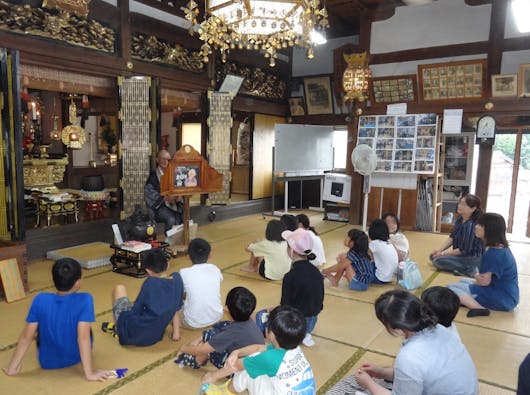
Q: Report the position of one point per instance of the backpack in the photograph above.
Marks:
(411, 277)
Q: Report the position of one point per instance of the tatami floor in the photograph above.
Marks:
(347, 332)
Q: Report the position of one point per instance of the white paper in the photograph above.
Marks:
(396, 109)
(117, 234)
(452, 122)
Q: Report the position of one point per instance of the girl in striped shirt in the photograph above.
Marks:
(355, 265)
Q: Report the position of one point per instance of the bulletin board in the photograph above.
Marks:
(402, 143)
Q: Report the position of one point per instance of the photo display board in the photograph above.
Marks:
(402, 143)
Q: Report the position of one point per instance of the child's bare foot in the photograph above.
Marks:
(332, 279)
(248, 269)
(208, 378)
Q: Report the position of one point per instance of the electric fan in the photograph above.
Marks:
(364, 162)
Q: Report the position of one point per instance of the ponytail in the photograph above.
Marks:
(399, 309)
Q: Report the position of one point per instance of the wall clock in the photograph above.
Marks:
(486, 127)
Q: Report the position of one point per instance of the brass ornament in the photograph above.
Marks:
(356, 76)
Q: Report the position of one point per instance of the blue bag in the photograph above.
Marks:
(412, 278)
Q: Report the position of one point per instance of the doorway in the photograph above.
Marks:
(509, 187)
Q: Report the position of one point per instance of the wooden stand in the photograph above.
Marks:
(187, 174)
(129, 262)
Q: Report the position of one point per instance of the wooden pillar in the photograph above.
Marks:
(483, 173)
(125, 30)
(356, 193)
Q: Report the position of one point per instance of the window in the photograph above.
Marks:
(340, 147)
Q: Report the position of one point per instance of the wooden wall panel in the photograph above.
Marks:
(263, 141)
(390, 204)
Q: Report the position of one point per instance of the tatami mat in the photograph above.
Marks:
(347, 332)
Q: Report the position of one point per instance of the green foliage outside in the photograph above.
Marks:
(506, 144)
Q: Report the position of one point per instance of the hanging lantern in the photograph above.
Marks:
(355, 79)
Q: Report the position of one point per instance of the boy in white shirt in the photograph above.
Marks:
(202, 288)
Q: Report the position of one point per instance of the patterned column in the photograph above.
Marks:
(219, 146)
(135, 116)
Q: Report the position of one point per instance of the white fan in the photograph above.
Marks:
(364, 162)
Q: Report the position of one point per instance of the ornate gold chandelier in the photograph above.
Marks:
(260, 25)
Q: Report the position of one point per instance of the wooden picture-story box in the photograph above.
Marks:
(17, 250)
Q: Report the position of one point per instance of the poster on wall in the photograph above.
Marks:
(402, 143)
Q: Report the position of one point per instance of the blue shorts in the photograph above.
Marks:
(356, 285)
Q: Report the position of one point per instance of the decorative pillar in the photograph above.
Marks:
(134, 147)
(219, 147)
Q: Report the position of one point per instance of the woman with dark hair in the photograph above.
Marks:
(432, 359)
(318, 247)
(496, 286)
(269, 257)
(462, 251)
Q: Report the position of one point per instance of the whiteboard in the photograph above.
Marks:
(303, 148)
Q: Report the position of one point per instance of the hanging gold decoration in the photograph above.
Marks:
(356, 77)
(259, 25)
(73, 136)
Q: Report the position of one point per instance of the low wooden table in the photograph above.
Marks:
(50, 208)
(129, 262)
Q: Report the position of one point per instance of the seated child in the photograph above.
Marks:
(279, 368)
(383, 252)
(269, 257)
(397, 238)
(303, 286)
(61, 322)
(202, 288)
(355, 265)
(158, 303)
(226, 336)
(318, 247)
(496, 285)
(444, 303)
(289, 221)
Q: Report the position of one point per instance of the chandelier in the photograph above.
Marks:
(356, 77)
(260, 25)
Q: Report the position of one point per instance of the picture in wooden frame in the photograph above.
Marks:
(524, 80)
(401, 88)
(454, 81)
(296, 106)
(503, 85)
(318, 96)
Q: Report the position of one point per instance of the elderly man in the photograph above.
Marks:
(167, 209)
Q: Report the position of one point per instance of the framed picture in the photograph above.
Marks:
(187, 175)
(524, 80)
(503, 85)
(318, 96)
(454, 81)
(296, 106)
(394, 89)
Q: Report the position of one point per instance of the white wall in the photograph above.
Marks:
(80, 157)
(322, 63)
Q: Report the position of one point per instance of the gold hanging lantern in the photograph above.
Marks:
(355, 79)
(73, 136)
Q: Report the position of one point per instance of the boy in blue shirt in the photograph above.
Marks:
(158, 303)
(278, 368)
(61, 323)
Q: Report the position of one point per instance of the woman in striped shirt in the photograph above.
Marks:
(462, 251)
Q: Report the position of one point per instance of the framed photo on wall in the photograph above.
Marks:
(296, 106)
(454, 81)
(524, 80)
(503, 85)
(394, 89)
(318, 96)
